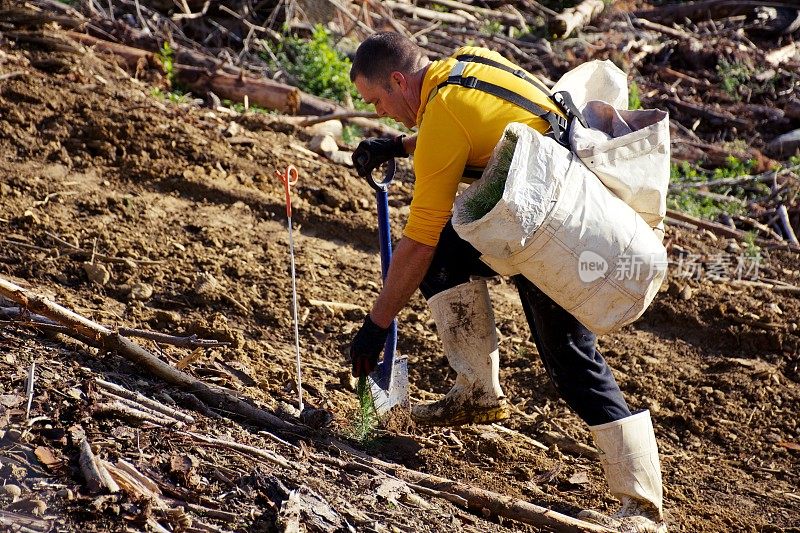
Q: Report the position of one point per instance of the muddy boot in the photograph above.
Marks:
(465, 323)
(629, 455)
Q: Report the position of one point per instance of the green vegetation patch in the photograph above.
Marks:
(491, 186)
(695, 203)
(317, 66)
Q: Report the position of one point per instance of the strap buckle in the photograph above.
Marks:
(469, 82)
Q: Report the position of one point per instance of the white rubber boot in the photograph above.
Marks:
(629, 455)
(465, 323)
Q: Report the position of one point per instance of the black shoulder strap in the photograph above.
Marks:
(558, 125)
(518, 72)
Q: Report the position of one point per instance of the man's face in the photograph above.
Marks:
(388, 98)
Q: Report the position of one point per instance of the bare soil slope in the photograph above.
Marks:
(87, 157)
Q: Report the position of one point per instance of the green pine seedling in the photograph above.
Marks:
(491, 185)
(365, 425)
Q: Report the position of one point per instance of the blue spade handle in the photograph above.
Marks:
(385, 240)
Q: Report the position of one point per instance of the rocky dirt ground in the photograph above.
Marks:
(90, 159)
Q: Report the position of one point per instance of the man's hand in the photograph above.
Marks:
(366, 346)
(371, 153)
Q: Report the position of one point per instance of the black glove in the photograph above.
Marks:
(367, 345)
(372, 153)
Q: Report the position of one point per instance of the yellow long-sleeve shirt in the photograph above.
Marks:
(459, 127)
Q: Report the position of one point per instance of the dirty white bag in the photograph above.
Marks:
(595, 80)
(629, 151)
(559, 226)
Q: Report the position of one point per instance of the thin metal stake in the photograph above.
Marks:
(30, 389)
(290, 178)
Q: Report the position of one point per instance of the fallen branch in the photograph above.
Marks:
(335, 305)
(427, 14)
(576, 18)
(786, 226)
(533, 442)
(213, 396)
(694, 152)
(122, 409)
(666, 30)
(12, 75)
(764, 177)
(219, 514)
(12, 521)
(569, 445)
(340, 115)
(475, 498)
(124, 393)
(191, 341)
(774, 287)
(723, 230)
(97, 477)
(508, 19)
(714, 117)
(772, 234)
(243, 448)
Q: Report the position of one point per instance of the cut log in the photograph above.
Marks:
(134, 58)
(262, 92)
(576, 17)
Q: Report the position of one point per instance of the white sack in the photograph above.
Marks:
(629, 151)
(595, 80)
(560, 227)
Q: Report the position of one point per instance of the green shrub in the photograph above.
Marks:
(317, 66)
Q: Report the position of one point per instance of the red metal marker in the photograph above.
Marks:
(289, 178)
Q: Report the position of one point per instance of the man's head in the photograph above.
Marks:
(387, 71)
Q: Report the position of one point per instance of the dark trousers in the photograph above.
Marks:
(568, 350)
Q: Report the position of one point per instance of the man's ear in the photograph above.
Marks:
(398, 80)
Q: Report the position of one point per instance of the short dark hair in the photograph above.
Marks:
(383, 53)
